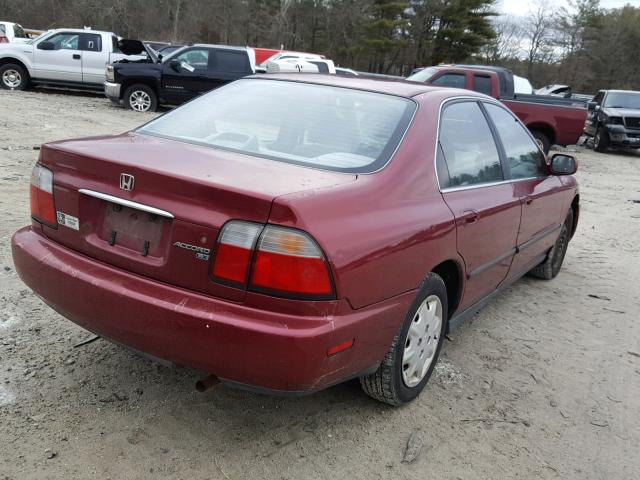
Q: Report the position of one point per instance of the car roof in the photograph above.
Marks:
(621, 91)
(211, 45)
(79, 30)
(399, 88)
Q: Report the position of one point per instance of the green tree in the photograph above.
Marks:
(385, 33)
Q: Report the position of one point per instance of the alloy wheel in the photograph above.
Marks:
(11, 78)
(140, 101)
(422, 341)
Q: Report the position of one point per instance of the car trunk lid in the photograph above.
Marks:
(154, 206)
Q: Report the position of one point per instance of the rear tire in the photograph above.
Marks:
(13, 77)
(415, 349)
(551, 266)
(601, 140)
(141, 98)
(542, 140)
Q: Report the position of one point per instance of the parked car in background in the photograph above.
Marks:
(14, 32)
(299, 65)
(614, 119)
(168, 50)
(285, 55)
(563, 91)
(178, 77)
(522, 85)
(64, 57)
(156, 46)
(551, 120)
(244, 233)
(264, 54)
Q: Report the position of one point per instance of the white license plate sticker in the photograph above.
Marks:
(68, 221)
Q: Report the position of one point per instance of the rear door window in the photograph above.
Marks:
(524, 158)
(482, 84)
(91, 42)
(232, 61)
(468, 148)
(455, 80)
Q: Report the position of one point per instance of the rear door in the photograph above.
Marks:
(228, 65)
(63, 63)
(542, 196)
(474, 186)
(94, 58)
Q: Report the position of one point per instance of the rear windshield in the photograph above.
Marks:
(320, 126)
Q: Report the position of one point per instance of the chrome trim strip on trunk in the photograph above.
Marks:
(126, 203)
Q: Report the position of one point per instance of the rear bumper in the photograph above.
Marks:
(277, 351)
(112, 91)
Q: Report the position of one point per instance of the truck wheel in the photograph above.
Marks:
(413, 354)
(551, 266)
(601, 140)
(542, 140)
(13, 77)
(141, 98)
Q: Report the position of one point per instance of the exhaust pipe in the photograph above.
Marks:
(207, 383)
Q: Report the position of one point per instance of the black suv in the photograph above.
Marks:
(614, 119)
(177, 77)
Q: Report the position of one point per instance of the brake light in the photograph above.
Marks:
(290, 261)
(270, 259)
(43, 207)
(235, 247)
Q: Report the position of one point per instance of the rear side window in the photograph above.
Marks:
(91, 42)
(322, 67)
(232, 61)
(455, 80)
(523, 155)
(482, 84)
(468, 147)
(320, 126)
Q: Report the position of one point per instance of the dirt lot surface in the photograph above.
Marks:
(544, 383)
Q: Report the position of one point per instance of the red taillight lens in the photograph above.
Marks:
(286, 262)
(235, 247)
(43, 207)
(289, 261)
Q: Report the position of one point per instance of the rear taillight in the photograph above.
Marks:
(233, 254)
(274, 260)
(43, 208)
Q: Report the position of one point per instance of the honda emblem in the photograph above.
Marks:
(126, 181)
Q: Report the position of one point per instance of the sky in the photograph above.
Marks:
(519, 7)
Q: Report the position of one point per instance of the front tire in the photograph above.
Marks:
(141, 98)
(415, 349)
(601, 140)
(551, 266)
(13, 77)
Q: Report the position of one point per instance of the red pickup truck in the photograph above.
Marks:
(551, 120)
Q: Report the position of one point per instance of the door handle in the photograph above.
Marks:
(76, 56)
(470, 216)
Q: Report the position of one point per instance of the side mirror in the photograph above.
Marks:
(175, 64)
(562, 164)
(591, 106)
(46, 46)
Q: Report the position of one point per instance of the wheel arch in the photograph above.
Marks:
(15, 61)
(575, 207)
(545, 129)
(452, 275)
(129, 82)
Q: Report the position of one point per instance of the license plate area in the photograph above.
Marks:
(133, 229)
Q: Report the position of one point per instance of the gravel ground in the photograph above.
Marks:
(543, 383)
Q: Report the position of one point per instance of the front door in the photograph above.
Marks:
(486, 208)
(63, 63)
(541, 195)
(186, 75)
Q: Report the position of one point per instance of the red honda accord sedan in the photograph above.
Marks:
(286, 233)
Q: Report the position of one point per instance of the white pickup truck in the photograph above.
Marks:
(13, 32)
(69, 57)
